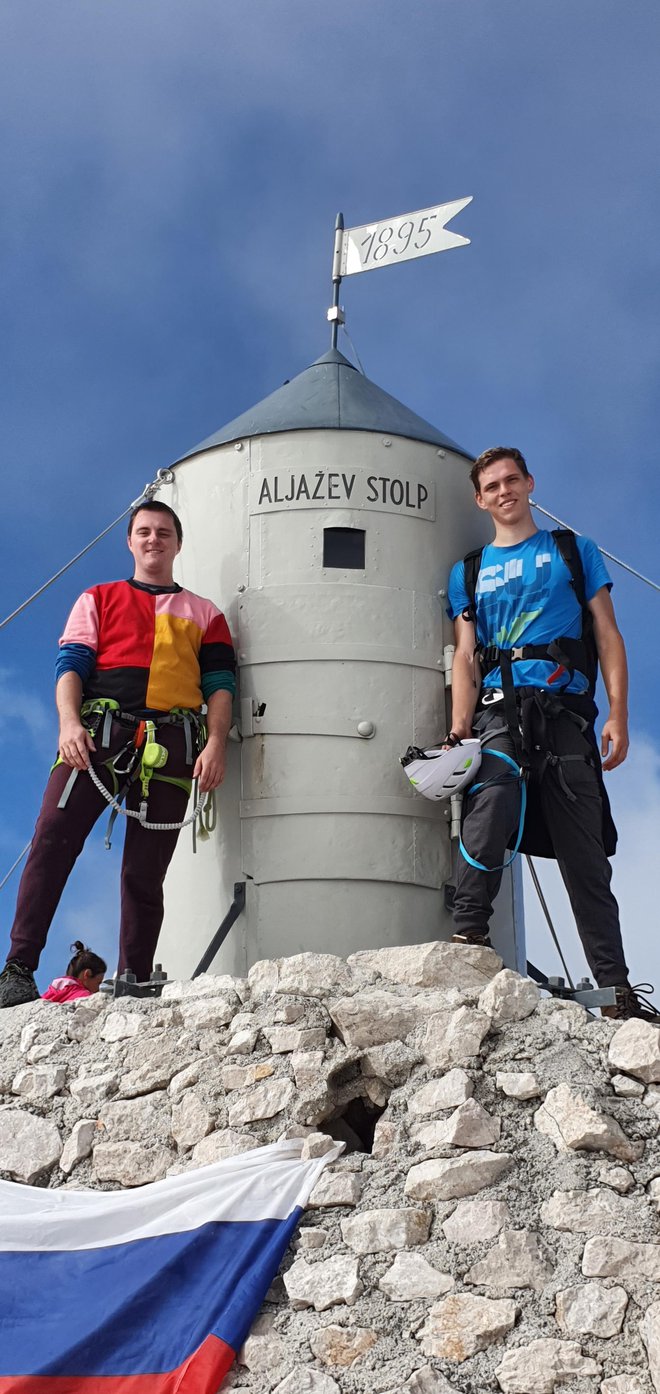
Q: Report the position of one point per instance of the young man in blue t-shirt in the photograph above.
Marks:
(525, 702)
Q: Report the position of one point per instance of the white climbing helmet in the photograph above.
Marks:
(437, 774)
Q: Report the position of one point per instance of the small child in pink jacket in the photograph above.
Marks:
(84, 976)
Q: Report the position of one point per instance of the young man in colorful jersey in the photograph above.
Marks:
(524, 598)
(144, 649)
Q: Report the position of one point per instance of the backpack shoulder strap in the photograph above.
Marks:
(568, 549)
(471, 567)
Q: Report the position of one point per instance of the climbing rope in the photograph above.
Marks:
(140, 814)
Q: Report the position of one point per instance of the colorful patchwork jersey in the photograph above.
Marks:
(150, 648)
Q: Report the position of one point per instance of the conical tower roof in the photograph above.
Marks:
(329, 395)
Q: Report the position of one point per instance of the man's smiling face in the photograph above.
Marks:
(154, 544)
(504, 492)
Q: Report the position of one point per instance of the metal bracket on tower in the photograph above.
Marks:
(584, 992)
(235, 909)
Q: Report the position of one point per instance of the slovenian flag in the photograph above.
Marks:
(148, 1291)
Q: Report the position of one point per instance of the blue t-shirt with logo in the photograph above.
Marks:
(524, 596)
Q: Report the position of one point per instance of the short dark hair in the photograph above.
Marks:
(154, 506)
(491, 457)
(84, 958)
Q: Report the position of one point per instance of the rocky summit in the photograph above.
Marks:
(492, 1223)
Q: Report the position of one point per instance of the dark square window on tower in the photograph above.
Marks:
(344, 548)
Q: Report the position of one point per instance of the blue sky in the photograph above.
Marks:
(171, 175)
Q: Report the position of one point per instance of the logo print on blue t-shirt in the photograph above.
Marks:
(493, 579)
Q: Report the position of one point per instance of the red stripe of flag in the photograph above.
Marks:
(201, 1373)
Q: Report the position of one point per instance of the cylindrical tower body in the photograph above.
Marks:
(328, 547)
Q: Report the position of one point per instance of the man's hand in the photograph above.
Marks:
(75, 743)
(614, 742)
(210, 765)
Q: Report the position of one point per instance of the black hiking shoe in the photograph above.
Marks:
(473, 938)
(17, 985)
(630, 1003)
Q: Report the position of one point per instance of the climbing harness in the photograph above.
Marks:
(141, 758)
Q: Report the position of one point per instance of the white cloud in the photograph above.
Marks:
(634, 791)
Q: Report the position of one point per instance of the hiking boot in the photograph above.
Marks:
(474, 938)
(17, 985)
(629, 1004)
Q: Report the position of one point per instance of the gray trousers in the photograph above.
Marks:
(575, 826)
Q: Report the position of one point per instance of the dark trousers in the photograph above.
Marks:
(575, 826)
(58, 840)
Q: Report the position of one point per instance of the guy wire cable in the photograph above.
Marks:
(163, 476)
(610, 555)
(546, 912)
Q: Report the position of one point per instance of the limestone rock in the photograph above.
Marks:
(388, 1137)
(454, 1038)
(508, 997)
(242, 1076)
(121, 1026)
(539, 1366)
(317, 1145)
(242, 1042)
(327, 1283)
(627, 1088)
(620, 1258)
(618, 1178)
(92, 1090)
(207, 1014)
(588, 1309)
(39, 1053)
(263, 1101)
(79, 1145)
(224, 1143)
(82, 1014)
(587, 1212)
(469, 1126)
(428, 1381)
(623, 1384)
(306, 974)
(40, 1081)
(151, 1065)
(305, 1380)
(191, 1120)
(335, 1188)
(206, 985)
(307, 1066)
(571, 1123)
(341, 1345)
(411, 1277)
(285, 1039)
(460, 1325)
(474, 1221)
(310, 1237)
(372, 1018)
(517, 1086)
(130, 1163)
(29, 1146)
(264, 1350)
(184, 1080)
(649, 1328)
(635, 1049)
(519, 1260)
(391, 1062)
(450, 1091)
(450, 1180)
(431, 965)
(142, 1120)
(373, 1231)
